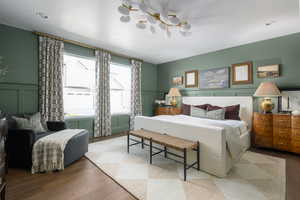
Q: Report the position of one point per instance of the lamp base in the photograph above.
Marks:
(173, 102)
(267, 105)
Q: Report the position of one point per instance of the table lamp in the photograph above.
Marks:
(174, 92)
(267, 90)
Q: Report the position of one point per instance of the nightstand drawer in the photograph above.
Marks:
(283, 121)
(281, 144)
(263, 131)
(167, 111)
(263, 141)
(282, 132)
(295, 146)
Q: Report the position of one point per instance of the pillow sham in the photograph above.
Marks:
(218, 114)
(231, 112)
(186, 109)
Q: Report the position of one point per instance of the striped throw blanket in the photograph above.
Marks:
(48, 152)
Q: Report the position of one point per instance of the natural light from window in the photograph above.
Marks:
(120, 81)
(79, 85)
(79, 80)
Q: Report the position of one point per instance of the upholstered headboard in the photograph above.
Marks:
(246, 104)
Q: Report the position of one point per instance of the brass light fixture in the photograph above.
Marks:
(267, 90)
(166, 19)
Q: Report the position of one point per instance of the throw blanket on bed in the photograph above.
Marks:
(48, 152)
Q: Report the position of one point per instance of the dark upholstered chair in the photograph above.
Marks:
(20, 143)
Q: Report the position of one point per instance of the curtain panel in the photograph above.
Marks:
(136, 96)
(50, 79)
(102, 124)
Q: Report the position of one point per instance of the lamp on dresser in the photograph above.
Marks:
(173, 93)
(267, 90)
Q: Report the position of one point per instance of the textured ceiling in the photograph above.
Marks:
(217, 24)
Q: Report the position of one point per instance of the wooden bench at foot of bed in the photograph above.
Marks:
(168, 142)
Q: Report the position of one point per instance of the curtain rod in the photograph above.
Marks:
(82, 44)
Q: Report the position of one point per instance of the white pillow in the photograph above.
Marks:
(214, 114)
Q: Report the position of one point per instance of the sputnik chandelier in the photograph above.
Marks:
(167, 20)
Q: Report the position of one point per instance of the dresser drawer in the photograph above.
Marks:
(295, 146)
(282, 133)
(263, 131)
(295, 134)
(296, 122)
(283, 121)
(263, 141)
(281, 144)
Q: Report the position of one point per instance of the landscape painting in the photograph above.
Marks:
(214, 78)
(270, 71)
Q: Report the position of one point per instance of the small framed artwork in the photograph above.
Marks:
(191, 79)
(242, 73)
(177, 80)
(268, 71)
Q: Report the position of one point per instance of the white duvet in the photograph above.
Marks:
(233, 129)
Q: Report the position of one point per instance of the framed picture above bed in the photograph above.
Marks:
(191, 79)
(214, 78)
(242, 73)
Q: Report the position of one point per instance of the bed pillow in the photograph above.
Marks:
(186, 109)
(231, 112)
(218, 114)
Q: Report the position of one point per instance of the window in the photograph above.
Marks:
(120, 81)
(79, 85)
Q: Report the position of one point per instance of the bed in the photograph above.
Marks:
(222, 142)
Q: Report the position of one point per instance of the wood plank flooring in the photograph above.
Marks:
(84, 181)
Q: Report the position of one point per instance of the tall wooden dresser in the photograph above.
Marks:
(278, 131)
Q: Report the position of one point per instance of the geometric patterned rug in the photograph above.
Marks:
(254, 177)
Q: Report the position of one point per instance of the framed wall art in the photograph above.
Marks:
(242, 73)
(191, 79)
(269, 71)
(214, 78)
(177, 80)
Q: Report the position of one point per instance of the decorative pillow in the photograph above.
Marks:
(186, 109)
(33, 123)
(231, 112)
(214, 114)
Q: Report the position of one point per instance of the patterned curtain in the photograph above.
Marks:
(102, 125)
(136, 96)
(50, 79)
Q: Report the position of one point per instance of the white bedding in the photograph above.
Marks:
(222, 142)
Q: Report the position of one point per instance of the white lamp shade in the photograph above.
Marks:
(152, 29)
(174, 92)
(174, 20)
(267, 89)
(151, 19)
(123, 10)
(141, 25)
(162, 26)
(186, 27)
(125, 18)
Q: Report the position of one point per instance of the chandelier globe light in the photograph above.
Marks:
(167, 20)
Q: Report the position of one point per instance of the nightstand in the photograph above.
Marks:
(167, 110)
(277, 131)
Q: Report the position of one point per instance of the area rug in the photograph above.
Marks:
(256, 176)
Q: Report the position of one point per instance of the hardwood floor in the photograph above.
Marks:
(84, 181)
(80, 181)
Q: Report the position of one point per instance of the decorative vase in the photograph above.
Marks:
(267, 105)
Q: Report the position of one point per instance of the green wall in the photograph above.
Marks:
(284, 51)
(19, 88)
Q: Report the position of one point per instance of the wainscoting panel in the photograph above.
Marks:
(18, 98)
